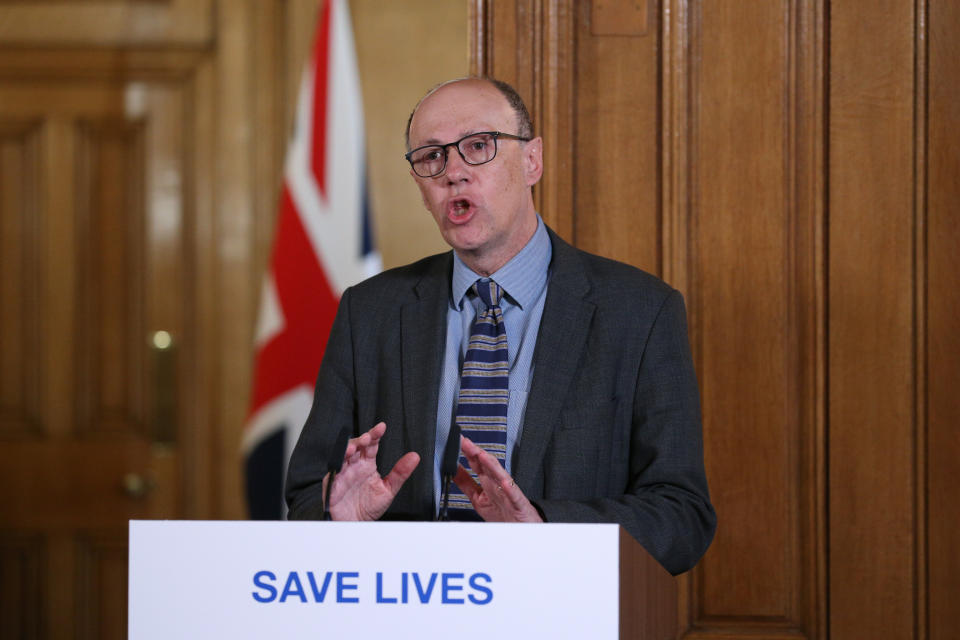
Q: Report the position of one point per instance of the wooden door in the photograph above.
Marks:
(129, 254)
(94, 265)
(792, 167)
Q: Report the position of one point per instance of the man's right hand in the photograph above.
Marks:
(358, 492)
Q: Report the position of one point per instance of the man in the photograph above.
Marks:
(598, 418)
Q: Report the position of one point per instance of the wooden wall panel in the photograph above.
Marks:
(101, 582)
(568, 94)
(712, 114)
(807, 181)
(111, 216)
(616, 136)
(21, 584)
(874, 583)
(19, 304)
(510, 21)
(942, 296)
(112, 23)
(753, 291)
(742, 309)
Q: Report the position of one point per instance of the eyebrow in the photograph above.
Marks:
(435, 141)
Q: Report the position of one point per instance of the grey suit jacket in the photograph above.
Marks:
(611, 431)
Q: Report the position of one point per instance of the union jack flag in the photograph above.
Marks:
(323, 244)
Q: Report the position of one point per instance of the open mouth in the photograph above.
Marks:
(459, 207)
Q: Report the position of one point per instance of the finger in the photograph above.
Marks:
(467, 484)
(473, 453)
(401, 471)
(500, 488)
(367, 444)
(485, 463)
(371, 450)
(351, 449)
(492, 488)
(514, 494)
(491, 475)
(363, 441)
(377, 431)
(469, 447)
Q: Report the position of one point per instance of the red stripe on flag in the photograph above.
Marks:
(292, 357)
(321, 73)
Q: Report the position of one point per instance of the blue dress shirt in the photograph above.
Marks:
(524, 281)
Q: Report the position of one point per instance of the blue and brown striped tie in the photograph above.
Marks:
(484, 389)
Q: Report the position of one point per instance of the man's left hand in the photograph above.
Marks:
(494, 494)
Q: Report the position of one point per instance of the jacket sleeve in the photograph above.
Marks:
(333, 410)
(665, 503)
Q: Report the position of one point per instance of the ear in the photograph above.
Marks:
(533, 160)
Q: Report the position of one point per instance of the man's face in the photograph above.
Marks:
(485, 212)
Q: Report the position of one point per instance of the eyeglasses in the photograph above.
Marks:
(477, 148)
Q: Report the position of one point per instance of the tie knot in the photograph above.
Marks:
(489, 291)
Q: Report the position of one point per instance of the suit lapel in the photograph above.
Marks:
(560, 342)
(423, 329)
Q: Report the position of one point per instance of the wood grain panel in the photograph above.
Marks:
(943, 318)
(74, 64)
(21, 578)
(101, 584)
(46, 22)
(555, 118)
(76, 484)
(610, 18)
(872, 372)
(19, 253)
(714, 122)
(616, 183)
(808, 188)
(110, 234)
(512, 64)
(677, 135)
(755, 314)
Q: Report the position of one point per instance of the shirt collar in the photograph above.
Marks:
(522, 277)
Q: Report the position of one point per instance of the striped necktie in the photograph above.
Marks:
(484, 389)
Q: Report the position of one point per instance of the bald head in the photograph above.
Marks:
(524, 123)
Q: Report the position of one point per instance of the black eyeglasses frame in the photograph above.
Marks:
(456, 144)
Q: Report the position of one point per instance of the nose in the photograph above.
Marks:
(457, 170)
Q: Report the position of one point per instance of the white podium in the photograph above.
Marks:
(193, 579)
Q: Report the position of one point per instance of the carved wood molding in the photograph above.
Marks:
(69, 63)
(115, 23)
(923, 528)
(676, 133)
